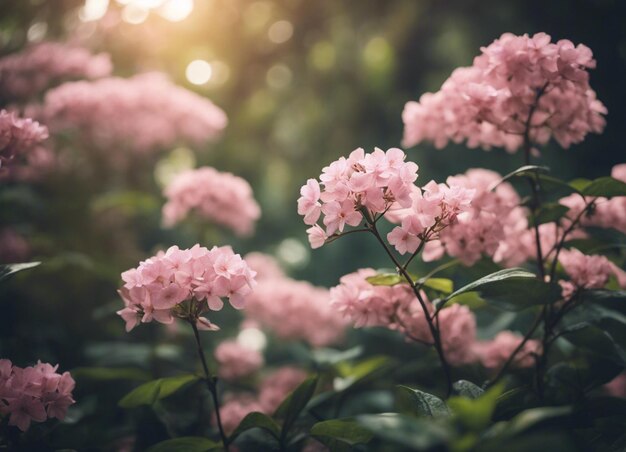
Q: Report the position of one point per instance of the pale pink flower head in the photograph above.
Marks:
(34, 393)
(234, 409)
(18, 137)
(161, 287)
(348, 187)
(495, 353)
(517, 82)
(237, 361)
(221, 198)
(265, 266)
(457, 326)
(586, 271)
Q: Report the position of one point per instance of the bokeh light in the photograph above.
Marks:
(176, 10)
(134, 14)
(93, 10)
(199, 72)
(280, 31)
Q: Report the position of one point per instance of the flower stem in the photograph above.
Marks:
(211, 383)
(433, 329)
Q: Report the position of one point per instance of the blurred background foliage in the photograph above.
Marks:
(302, 82)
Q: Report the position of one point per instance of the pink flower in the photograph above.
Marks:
(276, 386)
(34, 393)
(17, 137)
(337, 215)
(236, 361)
(517, 80)
(158, 286)
(222, 198)
(308, 203)
(495, 353)
(234, 409)
(586, 271)
(457, 326)
(317, 236)
(402, 240)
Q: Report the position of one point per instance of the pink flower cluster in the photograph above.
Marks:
(395, 307)
(362, 182)
(219, 197)
(495, 353)
(237, 361)
(494, 216)
(33, 393)
(140, 115)
(432, 210)
(185, 284)
(585, 271)
(293, 310)
(517, 83)
(274, 388)
(26, 74)
(18, 136)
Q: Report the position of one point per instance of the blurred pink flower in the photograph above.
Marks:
(222, 198)
(236, 361)
(495, 353)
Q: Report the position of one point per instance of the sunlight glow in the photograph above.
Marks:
(93, 10)
(176, 10)
(199, 72)
(252, 338)
(134, 14)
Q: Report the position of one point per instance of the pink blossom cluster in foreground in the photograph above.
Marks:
(33, 393)
(18, 136)
(370, 184)
(185, 284)
(292, 310)
(221, 198)
(236, 360)
(517, 83)
(28, 73)
(397, 308)
(135, 116)
(274, 388)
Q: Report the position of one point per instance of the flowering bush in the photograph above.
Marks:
(496, 321)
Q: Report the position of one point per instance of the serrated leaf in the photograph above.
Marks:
(425, 404)
(606, 187)
(467, 389)
(512, 289)
(185, 444)
(292, 406)
(150, 392)
(7, 270)
(257, 420)
(348, 432)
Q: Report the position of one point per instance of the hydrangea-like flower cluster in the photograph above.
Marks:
(28, 73)
(362, 182)
(395, 307)
(293, 310)
(136, 116)
(517, 84)
(586, 271)
(222, 198)
(34, 393)
(273, 390)
(493, 216)
(236, 361)
(185, 284)
(432, 210)
(495, 353)
(18, 136)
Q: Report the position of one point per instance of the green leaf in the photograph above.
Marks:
(580, 184)
(109, 373)
(386, 279)
(150, 392)
(406, 431)
(329, 356)
(475, 414)
(606, 187)
(595, 340)
(532, 417)
(423, 403)
(7, 270)
(525, 170)
(185, 444)
(442, 285)
(550, 213)
(467, 389)
(350, 374)
(347, 432)
(291, 407)
(257, 420)
(512, 289)
(470, 299)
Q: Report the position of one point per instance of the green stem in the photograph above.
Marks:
(433, 330)
(211, 383)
